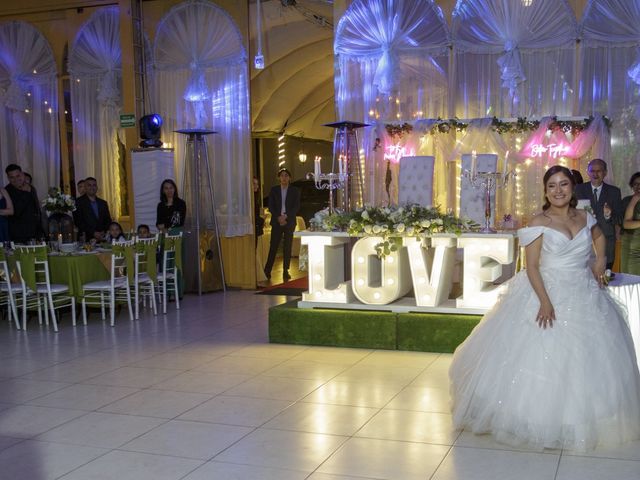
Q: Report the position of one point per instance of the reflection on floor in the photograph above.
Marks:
(200, 394)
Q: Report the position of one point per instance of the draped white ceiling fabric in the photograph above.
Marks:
(28, 104)
(514, 58)
(96, 79)
(610, 81)
(502, 58)
(201, 81)
(392, 63)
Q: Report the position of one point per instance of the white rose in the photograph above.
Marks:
(425, 223)
(400, 227)
(410, 230)
(377, 229)
(367, 229)
(438, 221)
(365, 215)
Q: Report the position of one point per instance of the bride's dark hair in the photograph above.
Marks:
(567, 173)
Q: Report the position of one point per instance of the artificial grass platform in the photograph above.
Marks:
(423, 332)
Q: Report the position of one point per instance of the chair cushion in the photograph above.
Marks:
(105, 284)
(55, 288)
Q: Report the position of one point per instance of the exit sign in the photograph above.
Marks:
(127, 120)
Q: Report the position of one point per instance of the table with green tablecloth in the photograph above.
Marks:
(74, 270)
(78, 269)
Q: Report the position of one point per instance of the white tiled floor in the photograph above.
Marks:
(200, 394)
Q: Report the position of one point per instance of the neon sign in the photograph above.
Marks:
(394, 153)
(554, 150)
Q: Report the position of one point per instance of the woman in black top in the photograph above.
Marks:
(171, 209)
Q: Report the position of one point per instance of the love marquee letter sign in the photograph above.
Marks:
(417, 277)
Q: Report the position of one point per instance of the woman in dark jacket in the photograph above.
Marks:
(172, 209)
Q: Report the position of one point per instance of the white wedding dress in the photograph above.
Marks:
(573, 386)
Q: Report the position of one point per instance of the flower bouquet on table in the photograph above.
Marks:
(391, 223)
(58, 202)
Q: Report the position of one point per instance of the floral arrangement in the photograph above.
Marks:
(520, 125)
(398, 130)
(390, 223)
(58, 202)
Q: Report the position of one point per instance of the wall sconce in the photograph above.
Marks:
(302, 157)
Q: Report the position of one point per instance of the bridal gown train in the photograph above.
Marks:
(573, 386)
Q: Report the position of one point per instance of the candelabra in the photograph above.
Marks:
(490, 181)
(329, 181)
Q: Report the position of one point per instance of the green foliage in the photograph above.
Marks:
(391, 223)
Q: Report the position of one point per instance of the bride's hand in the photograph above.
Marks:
(546, 315)
(599, 275)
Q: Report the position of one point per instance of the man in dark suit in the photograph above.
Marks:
(606, 203)
(283, 220)
(92, 215)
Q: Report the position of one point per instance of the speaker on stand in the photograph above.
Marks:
(203, 267)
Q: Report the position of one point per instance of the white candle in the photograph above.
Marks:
(340, 165)
(316, 167)
(474, 163)
(505, 166)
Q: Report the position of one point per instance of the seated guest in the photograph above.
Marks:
(114, 233)
(172, 209)
(92, 215)
(28, 179)
(80, 189)
(25, 224)
(143, 231)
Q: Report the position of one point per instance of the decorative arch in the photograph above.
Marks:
(392, 61)
(95, 66)
(392, 49)
(28, 104)
(533, 45)
(200, 81)
(610, 77)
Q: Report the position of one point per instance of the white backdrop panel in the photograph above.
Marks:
(149, 168)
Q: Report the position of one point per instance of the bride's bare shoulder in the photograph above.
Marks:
(539, 220)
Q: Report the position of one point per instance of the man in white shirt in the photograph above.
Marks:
(284, 203)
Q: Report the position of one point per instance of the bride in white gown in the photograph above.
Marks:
(552, 365)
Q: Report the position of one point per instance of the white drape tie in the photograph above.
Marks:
(511, 68)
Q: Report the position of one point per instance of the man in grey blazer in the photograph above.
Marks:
(606, 203)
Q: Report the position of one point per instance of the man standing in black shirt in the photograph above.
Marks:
(284, 203)
(25, 224)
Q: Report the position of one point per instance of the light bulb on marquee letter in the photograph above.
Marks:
(431, 268)
(326, 270)
(377, 290)
(484, 258)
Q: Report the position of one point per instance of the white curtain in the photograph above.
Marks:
(513, 58)
(392, 63)
(96, 79)
(28, 104)
(200, 81)
(610, 79)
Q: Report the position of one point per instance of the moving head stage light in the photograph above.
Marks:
(150, 127)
